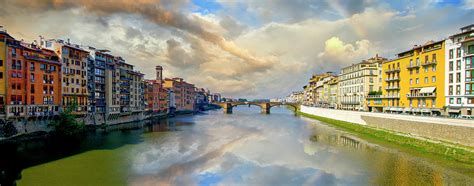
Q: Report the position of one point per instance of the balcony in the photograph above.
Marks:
(392, 79)
(422, 95)
(426, 63)
(392, 70)
(392, 88)
(391, 96)
(374, 97)
(412, 66)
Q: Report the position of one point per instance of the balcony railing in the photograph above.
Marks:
(422, 95)
(429, 63)
(413, 66)
(392, 88)
(393, 79)
(392, 70)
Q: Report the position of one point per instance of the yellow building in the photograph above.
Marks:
(5, 39)
(414, 81)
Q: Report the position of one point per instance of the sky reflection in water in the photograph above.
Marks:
(276, 149)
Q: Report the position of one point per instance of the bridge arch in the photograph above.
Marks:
(265, 106)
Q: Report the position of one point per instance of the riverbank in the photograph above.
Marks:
(42, 134)
(446, 150)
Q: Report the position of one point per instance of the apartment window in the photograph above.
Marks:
(450, 78)
(13, 51)
(433, 102)
(426, 68)
(458, 77)
(43, 66)
(32, 100)
(433, 68)
(1, 63)
(451, 66)
(451, 53)
(417, 71)
(451, 100)
(458, 52)
(433, 79)
(411, 72)
(426, 79)
(417, 61)
(469, 62)
(434, 58)
(1, 75)
(450, 90)
(411, 81)
(458, 65)
(411, 62)
(32, 89)
(458, 89)
(417, 81)
(426, 59)
(458, 101)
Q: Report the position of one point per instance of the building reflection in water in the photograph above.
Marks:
(390, 168)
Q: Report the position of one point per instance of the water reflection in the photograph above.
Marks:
(245, 147)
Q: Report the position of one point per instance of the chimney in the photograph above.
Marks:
(68, 41)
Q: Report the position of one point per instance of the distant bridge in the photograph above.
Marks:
(265, 106)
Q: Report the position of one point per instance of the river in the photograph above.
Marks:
(214, 148)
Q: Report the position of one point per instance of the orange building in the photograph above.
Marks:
(42, 80)
(156, 96)
(33, 76)
(184, 94)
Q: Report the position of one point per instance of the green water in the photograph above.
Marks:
(245, 147)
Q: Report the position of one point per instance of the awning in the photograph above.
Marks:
(453, 111)
(425, 90)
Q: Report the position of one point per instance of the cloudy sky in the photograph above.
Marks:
(254, 48)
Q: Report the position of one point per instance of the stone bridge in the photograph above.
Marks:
(265, 106)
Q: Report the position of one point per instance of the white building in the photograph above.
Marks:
(357, 80)
(459, 76)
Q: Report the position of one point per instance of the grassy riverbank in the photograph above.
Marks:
(427, 147)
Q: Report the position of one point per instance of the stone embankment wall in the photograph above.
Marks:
(444, 129)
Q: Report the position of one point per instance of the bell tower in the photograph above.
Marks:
(159, 73)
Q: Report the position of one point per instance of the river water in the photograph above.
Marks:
(243, 148)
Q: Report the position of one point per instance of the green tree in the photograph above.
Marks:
(66, 124)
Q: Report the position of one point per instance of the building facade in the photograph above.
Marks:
(413, 82)
(357, 81)
(132, 92)
(184, 92)
(74, 73)
(156, 96)
(459, 76)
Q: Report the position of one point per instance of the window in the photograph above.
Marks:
(458, 52)
(426, 68)
(458, 77)
(411, 81)
(417, 71)
(450, 78)
(433, 68)
(433, 79)
(458, 101)
(451, 100)
(451, 66)
(32, 89)
(458, 89)
(458, 65)
(450, 90)
(1, 63)
(417, 80)
(426, 59)
(426, 79)
(1, 75)
(43, 66)
(434, 58)
(451, 53)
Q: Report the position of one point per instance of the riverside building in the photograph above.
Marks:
(459, 75)
(156, 96)
(74, 62)
(184, 93)
(357, 81)
(413, 83)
